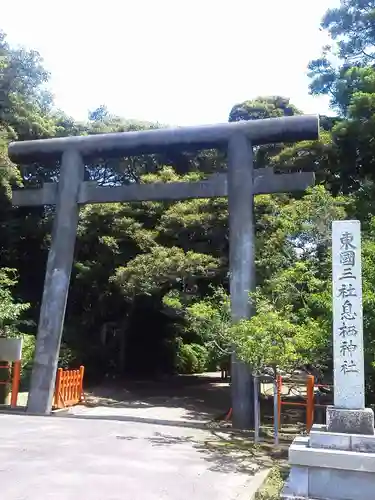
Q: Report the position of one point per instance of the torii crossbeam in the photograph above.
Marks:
(240, 184)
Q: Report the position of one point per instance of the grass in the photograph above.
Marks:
(251, 457)
(274, 483)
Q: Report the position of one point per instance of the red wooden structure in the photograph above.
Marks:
(68, 388)
(309, 403)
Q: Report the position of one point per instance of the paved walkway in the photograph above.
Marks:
(192, 401)
(93, 459)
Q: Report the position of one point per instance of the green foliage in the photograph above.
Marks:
(261, 108)
(10, 311)
(351, 25)
(209, 320)
(351, 28)
(12, 321)
(191, 358)
(28, 351)
(271, 339)
(163, 268)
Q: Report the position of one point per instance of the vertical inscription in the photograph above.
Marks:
(347, 315)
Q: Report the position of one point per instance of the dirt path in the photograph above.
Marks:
(194, 399)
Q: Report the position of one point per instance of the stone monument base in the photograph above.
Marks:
(350, 421)
(331, 466)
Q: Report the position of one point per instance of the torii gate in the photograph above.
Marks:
(240, 184)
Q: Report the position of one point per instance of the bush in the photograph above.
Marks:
(201, 354)
(28, 350)
(67, 357)
(187, 361)
(191, 358)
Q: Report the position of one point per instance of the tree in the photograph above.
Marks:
(269, 340)
(99, 114)
(10, 321)
(209, 321)
(261, 108)
(22, 74)
(345, 72)
(351, 28)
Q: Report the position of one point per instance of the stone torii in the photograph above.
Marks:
(240, 184)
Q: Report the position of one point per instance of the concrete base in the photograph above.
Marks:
(331, 466)
(350, 421)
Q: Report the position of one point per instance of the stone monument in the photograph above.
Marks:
(337, 460)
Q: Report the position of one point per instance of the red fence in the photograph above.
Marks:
(68, 388)
(309, 403)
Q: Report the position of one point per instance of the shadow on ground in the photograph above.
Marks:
(204, 401)
(201, 398)
(229, 452)
(192, 398)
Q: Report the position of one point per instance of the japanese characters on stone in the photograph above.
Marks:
(347, 296)
(346, 291)
(347, 314)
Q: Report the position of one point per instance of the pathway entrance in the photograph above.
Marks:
(193, 400)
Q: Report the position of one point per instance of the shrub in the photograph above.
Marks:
(201, 354)
(28, 350)
(191, 358)
(187, 361)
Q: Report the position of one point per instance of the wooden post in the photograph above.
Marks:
(81, 374)
(256, 410)
(310, 402)
(279, 393)
(57, 396)
(276, 411)
(15, 383)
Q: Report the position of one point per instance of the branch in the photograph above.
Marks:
(367, 55)
(223, 351)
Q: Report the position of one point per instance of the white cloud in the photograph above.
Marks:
(171, 61)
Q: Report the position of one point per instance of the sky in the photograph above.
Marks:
(175, 62)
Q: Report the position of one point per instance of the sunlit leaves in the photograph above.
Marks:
(162, 268)
(10, 310)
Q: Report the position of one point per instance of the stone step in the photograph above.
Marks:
(301, 454)
(321, 438)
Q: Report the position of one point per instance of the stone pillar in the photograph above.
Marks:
(242, 267)
(348, 413)
(56, 285)
(337, 460)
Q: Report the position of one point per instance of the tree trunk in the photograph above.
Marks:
(123, 339)
(121, 352)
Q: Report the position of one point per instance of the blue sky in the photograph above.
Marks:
(171, 61)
